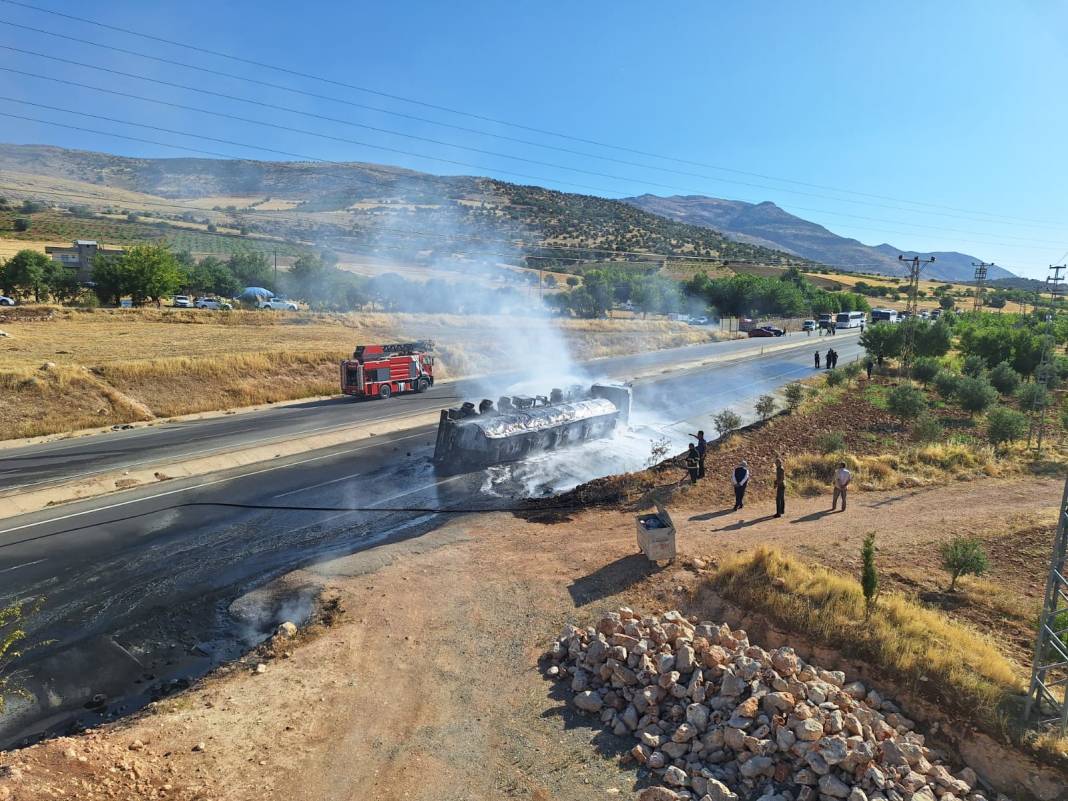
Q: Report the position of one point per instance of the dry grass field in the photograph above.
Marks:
(66, 369)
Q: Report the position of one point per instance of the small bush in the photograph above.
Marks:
(1004, 379)
(1032, 397)
(906, 402)
(946, 384)
(1005, 425)
(974, 366)
(963, 556)
(924, 369)
(869, 577)
(765, 406)
(853, 370)
(22, 223)
(794, 394)
(927, 429)
(830, 442)
(976, 394)
(835, 378)
(725, 422)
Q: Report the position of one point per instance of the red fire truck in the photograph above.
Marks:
(378, 371)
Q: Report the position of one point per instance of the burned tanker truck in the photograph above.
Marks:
(473, 437)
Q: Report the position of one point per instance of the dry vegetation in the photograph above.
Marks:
(121, 365)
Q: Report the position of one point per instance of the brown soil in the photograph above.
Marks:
(429, 687)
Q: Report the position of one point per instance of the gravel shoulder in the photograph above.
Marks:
(428, 687)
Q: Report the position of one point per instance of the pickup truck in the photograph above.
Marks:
(278, 304)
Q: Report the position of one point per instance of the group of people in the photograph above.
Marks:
(831, 359)
(741, 475)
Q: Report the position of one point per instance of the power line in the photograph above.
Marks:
(329, 98)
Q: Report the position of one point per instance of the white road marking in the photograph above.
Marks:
(24, 564)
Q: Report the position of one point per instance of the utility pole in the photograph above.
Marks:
(916, 265)
(1047, 697)
(1044, 374)
(980, 279)
(275, 270)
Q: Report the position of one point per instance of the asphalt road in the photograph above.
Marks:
(138, 583)
(64, 460)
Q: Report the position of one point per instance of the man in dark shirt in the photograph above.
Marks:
(702, 449)
(780, 487)
(692, 463)
(740, 479)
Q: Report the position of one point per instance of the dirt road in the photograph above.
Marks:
(428, 688)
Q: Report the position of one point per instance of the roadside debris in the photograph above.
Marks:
(719, 719)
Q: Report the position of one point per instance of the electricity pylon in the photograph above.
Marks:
(916, 264)
(980, 279)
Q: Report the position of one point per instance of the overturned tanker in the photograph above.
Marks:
(472, 437)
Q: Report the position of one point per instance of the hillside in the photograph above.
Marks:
(363, 208)
(767, 225)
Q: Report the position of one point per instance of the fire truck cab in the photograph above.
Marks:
(379, 371)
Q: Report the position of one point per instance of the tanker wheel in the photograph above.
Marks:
(385, 391)
(421, 385)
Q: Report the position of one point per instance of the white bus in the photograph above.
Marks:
(884, 316)
(853, 319)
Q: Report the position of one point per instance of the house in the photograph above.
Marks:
(80, 256)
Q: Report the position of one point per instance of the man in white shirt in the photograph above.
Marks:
(842, 477)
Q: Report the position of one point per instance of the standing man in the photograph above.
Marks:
(780, 487)
(693, 463)
(702, 449)
(869, 365)
(842, 477)
(817, 360)
(740, 479)
(830, 356)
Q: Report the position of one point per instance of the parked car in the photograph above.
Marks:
(808, 325)
(278, 304)
(6, 301)
(213, 303)
(698, 321)
(182, 302)
(766, 331)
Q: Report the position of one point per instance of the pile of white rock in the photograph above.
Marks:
(718, 719)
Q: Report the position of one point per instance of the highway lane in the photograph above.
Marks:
(70, 459)
(138, 583)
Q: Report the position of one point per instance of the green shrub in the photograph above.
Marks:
(963, 556)
(765, 406)
(946, 384)
(852, 370)
(725, 422)
(830, 442)
(1005, 425)
(794, 394)
(1004, 378)
(869, 577)
(974, 366)
(976, 394)
(1032, 397)
(906, 402)
(835, 378)
(925, 368)
(927, 429)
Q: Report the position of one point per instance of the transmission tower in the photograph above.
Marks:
(980, 279)
(1044, 374)
(1047, 698)
(916, 265)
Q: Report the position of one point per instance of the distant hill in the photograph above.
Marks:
(367, 208)
(767, 225)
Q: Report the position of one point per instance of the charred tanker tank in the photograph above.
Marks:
(472, 437)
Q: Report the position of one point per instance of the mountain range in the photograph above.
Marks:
(769, 226)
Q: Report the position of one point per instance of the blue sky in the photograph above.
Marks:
(956, 105)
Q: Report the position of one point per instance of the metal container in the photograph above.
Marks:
(656, 535)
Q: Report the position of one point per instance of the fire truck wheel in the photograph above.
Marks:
(421, 385)
(385, 391)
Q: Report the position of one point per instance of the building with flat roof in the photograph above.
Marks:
(80, 255)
